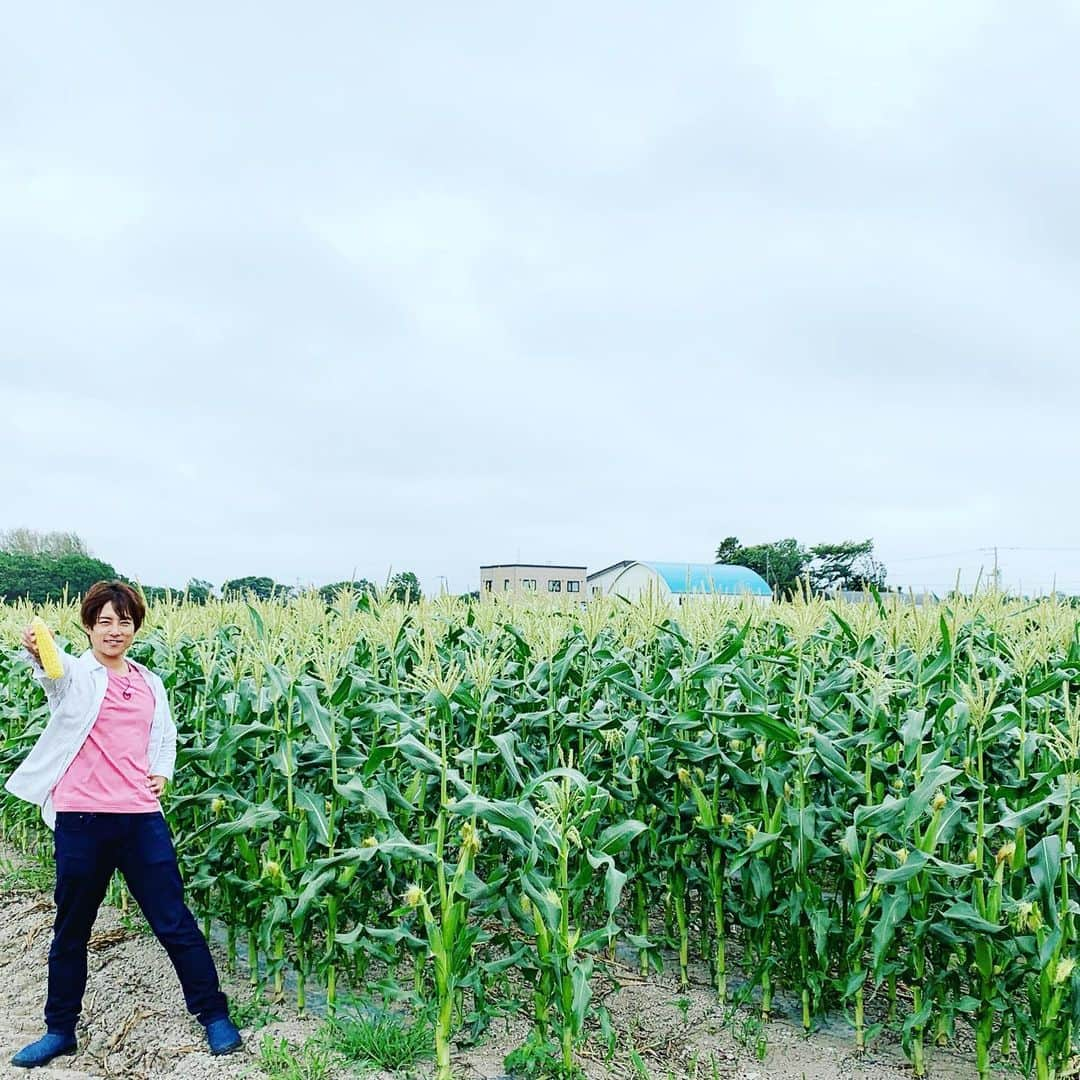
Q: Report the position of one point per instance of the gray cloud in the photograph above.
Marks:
(302, 293)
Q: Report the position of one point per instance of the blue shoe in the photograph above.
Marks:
(44, 1050)
(222, 1036)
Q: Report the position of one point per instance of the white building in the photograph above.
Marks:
(678, 581)
(519, 578)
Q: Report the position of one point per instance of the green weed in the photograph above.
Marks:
(26, 877)
(254, 1013)
(539, 1059)
(383, 1041)
(281, 1062)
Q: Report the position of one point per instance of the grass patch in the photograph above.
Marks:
(381, 1040)
(254, 1013)
(134, 923)
(281, 1062)
(26, 877)
(539, 1059)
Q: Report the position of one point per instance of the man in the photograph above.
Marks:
(97, 771)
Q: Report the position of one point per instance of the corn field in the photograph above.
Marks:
(459, 802)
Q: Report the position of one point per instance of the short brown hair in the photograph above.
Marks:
(126, 602)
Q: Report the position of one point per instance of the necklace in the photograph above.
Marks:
(125, 684)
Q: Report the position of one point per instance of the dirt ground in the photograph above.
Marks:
(134, 1023)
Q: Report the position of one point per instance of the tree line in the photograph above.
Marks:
(788, 566)
(47, 566)
(44, 566)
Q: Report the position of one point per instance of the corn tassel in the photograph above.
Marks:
(47, 650)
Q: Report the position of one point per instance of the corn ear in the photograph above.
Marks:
(46, 647)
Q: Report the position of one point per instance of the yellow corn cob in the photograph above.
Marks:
(46, 647)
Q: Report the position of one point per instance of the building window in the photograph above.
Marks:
(554, 585)
(487, 585)
(529, 583)
(506, 584)
(573, 586)
(596, 590)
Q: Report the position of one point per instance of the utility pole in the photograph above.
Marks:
(995, 576)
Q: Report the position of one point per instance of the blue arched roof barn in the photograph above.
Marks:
(631, 578)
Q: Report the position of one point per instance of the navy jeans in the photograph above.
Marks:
(89, 847)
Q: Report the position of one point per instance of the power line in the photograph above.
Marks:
(918, 583)
(943, 555)
(1034, 549)
(976, 550)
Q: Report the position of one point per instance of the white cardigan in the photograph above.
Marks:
(75, 701)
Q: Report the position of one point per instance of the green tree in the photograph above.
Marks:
(362, 587)
(199, 591)
(785, 564)
(404, 587)
(728, 552)
(847, 565)
(31, 542)
(153, 593)
(46, 577)
(264, 588)
(781, 563)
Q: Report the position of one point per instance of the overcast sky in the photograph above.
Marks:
(309, 290)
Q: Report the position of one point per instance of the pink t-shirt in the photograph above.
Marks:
(108, 774)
